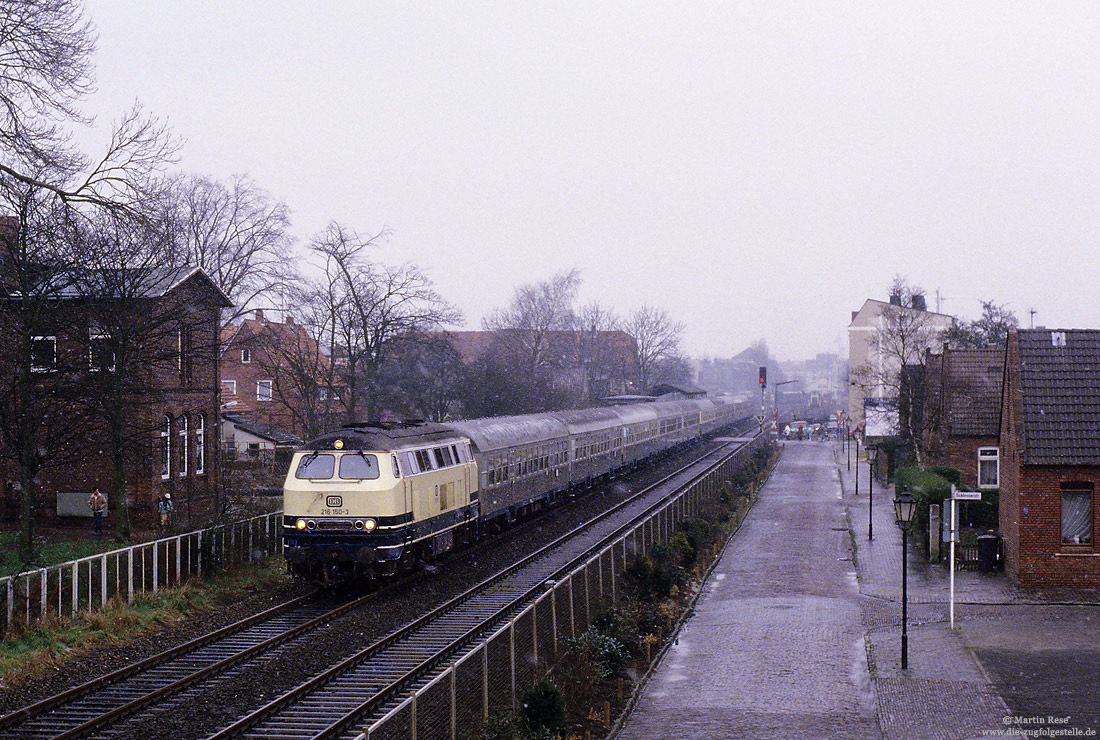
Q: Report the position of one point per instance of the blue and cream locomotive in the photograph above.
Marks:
(364, 499)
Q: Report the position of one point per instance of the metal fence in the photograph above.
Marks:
(88, 584)
(492, 676)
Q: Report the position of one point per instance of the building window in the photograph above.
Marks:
(230, 386)
(246, 355)
(43, 354)
(184, 354)
(263, 390)
(183, 445)
(166, 447)
(1077, 513)
(101, 350)
(200, 444)
(988, 467)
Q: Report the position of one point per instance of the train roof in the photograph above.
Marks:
(505, 431)
(382, 437)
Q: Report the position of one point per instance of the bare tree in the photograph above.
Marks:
(304, 382)
(368, 307)
(898, 345)
(605, 351)
(46, 68)
(424, 377)
(659, 357)
(40, 418)
(537, 324)
(237, 233)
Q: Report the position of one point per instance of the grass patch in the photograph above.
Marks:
(54, 642)
(48, 554)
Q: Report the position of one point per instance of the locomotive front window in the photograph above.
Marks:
(316, 467)
(357, 466)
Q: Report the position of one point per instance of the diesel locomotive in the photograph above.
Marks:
(364, 500)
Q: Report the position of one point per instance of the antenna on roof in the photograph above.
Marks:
(1031, 311)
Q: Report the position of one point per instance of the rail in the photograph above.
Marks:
(90, 583)
(491, 676)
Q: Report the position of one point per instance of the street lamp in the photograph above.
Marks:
(903, 512)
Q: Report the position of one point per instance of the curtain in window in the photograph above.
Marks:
(1077, 517)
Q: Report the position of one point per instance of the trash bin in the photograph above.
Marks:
(988, 546)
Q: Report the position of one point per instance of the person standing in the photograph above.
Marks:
(164, 511)
(97, 502)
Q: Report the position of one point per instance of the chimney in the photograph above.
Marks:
(258, 313)
(919, 302)
(895, 299)
(289, 320)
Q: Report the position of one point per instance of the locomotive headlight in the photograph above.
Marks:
(300, 524)
(369, 524)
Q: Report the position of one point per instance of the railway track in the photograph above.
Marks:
(97, 707)
(337, 702)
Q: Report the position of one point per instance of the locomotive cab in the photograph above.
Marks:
(358, 501)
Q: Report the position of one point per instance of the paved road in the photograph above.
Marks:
(776, 646)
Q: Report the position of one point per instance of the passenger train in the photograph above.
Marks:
(363, 500)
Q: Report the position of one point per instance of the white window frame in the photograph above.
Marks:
(246, 355)
(200, 444)
(265, 384)
(166, 447)
(230, 386)
(182, 431)
(995, 458)
(53, 362)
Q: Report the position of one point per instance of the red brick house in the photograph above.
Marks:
(274, 374)
(168, 394)
(1050, 457)
(962, 413)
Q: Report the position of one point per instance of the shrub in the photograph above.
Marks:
(952, 475)
(652, 575)
(543, 710)
(926, 487)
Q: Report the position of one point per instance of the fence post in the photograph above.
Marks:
(130, 574)
(76, 589)
(102, 581)
(156, 566)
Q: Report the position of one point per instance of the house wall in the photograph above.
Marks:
(171, 392)
(1043, 561)
(1009, 500)
(962, 453)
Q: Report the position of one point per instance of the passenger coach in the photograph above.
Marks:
(368, 497)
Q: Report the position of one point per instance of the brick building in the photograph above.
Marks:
(273, 374)
(962, 413)
(168, 393)
(1050, 457)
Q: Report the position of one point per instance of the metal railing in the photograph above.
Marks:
(490, 678)
(90, 583)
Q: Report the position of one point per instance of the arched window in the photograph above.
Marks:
(200, 444)
(166, 447)
(183, 445)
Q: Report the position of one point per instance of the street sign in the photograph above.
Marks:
(760, 419)
(965, 495)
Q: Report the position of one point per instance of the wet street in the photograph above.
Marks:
(775, 648)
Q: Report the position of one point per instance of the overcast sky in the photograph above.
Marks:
(757, 168)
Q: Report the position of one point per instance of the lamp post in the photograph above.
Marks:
(870, 495)
(903, 511)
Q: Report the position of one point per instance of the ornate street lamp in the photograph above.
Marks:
(903, 512)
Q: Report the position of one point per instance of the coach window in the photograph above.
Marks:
(988, 467)
(1077, 513)
(396, 469)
